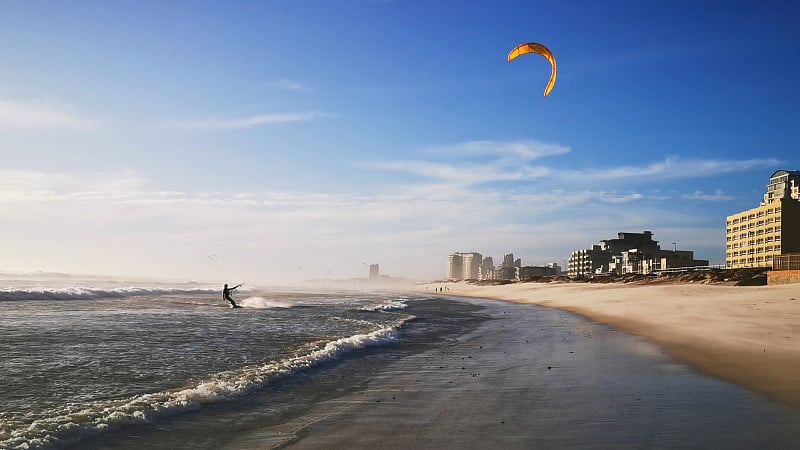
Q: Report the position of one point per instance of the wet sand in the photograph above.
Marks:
(478, 374)
(747, 335)
(529, 377)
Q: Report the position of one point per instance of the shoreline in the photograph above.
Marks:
(746, 335)
(526, 377)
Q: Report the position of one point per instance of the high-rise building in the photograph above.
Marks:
(464, 266)
(487, 266)
(374, 272)
(455, 264)
(755, 236)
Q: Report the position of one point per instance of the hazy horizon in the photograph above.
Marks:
(291, 140)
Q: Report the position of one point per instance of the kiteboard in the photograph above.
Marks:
(235, 306)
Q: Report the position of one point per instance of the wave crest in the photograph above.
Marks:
(394, 305)
(64, 426)
(88, 293)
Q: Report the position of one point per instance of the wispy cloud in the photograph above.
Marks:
(526, 150)
(462, 175)
(290, 85)
(671, 168)
(254, 120)
(477, 162)
(717, 196)
(42, 115)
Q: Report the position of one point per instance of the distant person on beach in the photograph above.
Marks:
(226, 294)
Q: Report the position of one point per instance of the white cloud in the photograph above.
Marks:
(123, 223)
(500, 161)
(42, 115)
(560, 199)
(254, 120)
(290, 85)
(526, 150)
(464, 175)
(717, 196)
(671, 168)
(93, 219)
(476, 162)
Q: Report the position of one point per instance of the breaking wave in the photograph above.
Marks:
(394, 305)
(88, 293)
(66, 425)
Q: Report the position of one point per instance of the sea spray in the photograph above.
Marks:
(263, 303)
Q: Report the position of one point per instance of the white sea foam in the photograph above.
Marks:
(394, 305)
(66, 425)
(87, 293)
(263, 303)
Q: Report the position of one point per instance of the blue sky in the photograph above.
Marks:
(283, 140)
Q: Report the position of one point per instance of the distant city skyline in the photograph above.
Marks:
(274, 142)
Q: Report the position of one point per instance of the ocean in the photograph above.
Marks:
(105, 364)
(87, 357)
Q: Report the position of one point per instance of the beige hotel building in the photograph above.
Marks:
(754, 237)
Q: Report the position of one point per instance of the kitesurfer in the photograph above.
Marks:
(226, 294)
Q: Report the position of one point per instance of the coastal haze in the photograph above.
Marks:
(275, 142)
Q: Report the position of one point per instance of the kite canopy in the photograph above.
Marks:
(533, 47)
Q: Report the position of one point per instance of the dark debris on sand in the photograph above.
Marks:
(737, 277)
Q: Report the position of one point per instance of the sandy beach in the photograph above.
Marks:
(476, 373)
(746, 335)
(523, 377)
